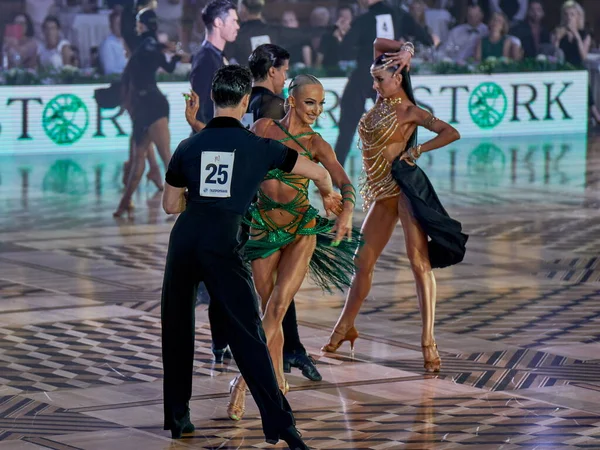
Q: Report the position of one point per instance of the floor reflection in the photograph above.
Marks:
(516, 322)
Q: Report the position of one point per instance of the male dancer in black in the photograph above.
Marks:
(222, 168)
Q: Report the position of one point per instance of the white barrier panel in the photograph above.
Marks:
(66, 118)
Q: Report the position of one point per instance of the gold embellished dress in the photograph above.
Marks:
(382, 179)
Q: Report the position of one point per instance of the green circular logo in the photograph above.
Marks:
(65, 177)
(65, 119)
(487, 162)
(487, 105)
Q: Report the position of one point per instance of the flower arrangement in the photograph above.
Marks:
(73, 75)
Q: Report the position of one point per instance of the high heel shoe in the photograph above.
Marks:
(431, 365)
(351, 336)
(156, 179)
(237, 402)
(124, 209)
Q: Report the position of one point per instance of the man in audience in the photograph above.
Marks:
(112, 50)
(532, 33)
(462, 39)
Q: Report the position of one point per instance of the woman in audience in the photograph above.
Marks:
(497, 44)
(417, 11)
(20, 45)
(570, 36)
(575, 42)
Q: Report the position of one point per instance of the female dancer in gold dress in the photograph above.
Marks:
(287, 237)
(396, 189)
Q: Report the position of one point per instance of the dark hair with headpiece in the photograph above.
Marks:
(304, 79)
(216, 9)
(264, 57)
(406, 85)
(148, 17)
(230, 84)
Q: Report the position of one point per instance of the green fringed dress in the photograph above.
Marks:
(330, 267)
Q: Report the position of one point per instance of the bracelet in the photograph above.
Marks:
(409, 47)
(412, 154)
(348, 199)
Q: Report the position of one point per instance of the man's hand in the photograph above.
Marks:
(331, 202)
(192, 105)
(401, 59)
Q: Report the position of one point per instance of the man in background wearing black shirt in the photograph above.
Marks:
(380, 21)
(255, 31)
(221, 21)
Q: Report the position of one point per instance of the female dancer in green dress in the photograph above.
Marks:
(287, 237)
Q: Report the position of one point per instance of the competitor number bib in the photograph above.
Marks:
(216, 173)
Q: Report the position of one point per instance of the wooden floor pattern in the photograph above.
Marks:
(518, 324)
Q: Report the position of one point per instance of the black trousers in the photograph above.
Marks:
(204, 247)
(352, 107)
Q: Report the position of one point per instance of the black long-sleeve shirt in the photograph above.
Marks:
(380, 21)
(205, 63)
(255, 32)
(148, 57)
(264, 103)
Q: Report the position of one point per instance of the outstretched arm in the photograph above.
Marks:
(326, 156)
(446, 134)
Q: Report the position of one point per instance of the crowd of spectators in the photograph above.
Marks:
(42, 35)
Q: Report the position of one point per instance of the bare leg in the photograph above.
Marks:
(376, 231)
(136, 171)
(154, 172)
(277, 279)
(418, 255)
(264, 273)
(161, 136)
(291, 270)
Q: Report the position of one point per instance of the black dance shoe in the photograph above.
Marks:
(292, 437)
(302, 361)
(221, 353)
(185, 428)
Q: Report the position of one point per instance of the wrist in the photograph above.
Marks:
(408, 47)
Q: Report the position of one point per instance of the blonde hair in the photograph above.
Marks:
(572, 4)
(505, 26)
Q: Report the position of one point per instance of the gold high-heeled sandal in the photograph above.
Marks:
(431, 365)
(351, 336)
(237, 401)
